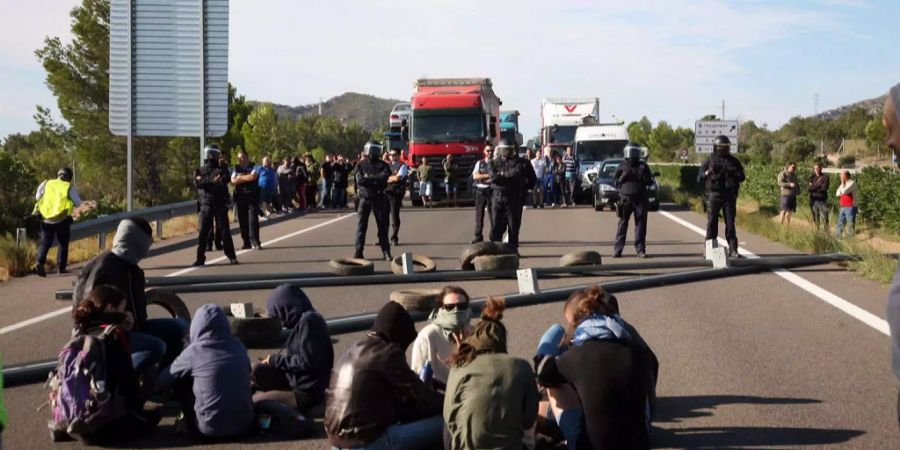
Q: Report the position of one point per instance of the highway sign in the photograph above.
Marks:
(706, 131)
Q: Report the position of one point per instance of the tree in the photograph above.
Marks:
(798, 150)
(17, 186)
(639, 132)
(759, 147)
(262, 135)
(875, 134)
(238, 112)
(663, 142)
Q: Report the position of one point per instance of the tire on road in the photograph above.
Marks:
(421, 264)
(170, 302)
(581, 258)
(416, 299)
(475, 250)
(496, 262)
(351, 267)
(255, 332)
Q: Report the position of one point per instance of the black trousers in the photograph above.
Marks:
(378, 206)
(506, 209)
(60, 232)
(639, 207)
(395, 202)
(219, 215)
(248, 217)
(727, 203)
(482, 203)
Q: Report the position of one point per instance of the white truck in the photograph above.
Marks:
(560, 117)
(594, 144)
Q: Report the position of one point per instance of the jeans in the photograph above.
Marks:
(548, 188)
(327, 189)
(846, 216)
(569, 189)
(160, 341)
(551, 342)
(422, 434)
(59, 231)
(569, 420)
(339, 197)
(819, 212)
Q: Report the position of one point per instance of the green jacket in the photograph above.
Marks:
(312, 172)
(424, 172)
(490, 403)
(449, 171)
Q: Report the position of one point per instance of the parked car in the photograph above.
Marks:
(399, 114)
(604, 186)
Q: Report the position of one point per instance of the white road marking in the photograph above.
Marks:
(849, 308)
(61, 311)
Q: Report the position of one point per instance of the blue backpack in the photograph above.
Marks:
(79, 399)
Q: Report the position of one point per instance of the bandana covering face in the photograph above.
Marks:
(450, 321)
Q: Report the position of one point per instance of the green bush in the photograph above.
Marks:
(879, 198)
(17, 260)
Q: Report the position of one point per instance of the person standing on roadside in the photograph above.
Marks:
(268, 184)
(891, 120)
(632, 179)
(211, 182)
(396, 190)
(340, 170)
(327, 174)
(313, 174)
(722, 175)
(286, 185)
(558, 167)
(482, 183)
(300, 179)
(246, 195)
(56, 201)
(450, 178)
(549, 175)
(571, 172)
(372, 176)
(214, 235)
(818, 196)
(426, 184)
(790, 188)
(846, 194)
(539, 164)
(510, 177)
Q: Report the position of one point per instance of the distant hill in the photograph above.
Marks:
(368, 111)
(872, 106)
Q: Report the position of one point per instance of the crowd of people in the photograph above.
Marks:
(818, 189)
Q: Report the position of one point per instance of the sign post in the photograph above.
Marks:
(168, 70)
(706, 132)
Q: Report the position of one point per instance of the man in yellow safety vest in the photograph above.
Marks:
(56, 200)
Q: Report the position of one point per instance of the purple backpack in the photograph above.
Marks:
(80, 402)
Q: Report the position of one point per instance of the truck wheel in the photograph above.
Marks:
(487, 263)
(580, 258)
(597, 205)
(255, 332)
(421, 264)
(416, 299)
(351, 267)
(170, 302)
(475, 250)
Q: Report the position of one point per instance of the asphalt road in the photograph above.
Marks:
(753, 361)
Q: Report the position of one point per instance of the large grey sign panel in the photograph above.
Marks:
(158, 51)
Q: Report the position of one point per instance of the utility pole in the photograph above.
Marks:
(723, 111)
(320, 106)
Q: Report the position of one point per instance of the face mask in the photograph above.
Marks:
(450, 321)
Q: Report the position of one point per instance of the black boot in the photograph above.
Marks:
(358, 254)
(387, 256)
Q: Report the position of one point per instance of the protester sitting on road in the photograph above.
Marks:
(846, 193)
(211, 379)
(153, 341)
(600, 375)
(105, 307)
(439, 339)
(298, 374)
(375, 400)
(491, 399)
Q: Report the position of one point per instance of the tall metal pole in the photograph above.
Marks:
(129, 169)
(129, 143)
(202, 78)
(723, 110)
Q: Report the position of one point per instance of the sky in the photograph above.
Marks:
(673, 60)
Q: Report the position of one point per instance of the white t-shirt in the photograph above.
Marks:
(431, 346)
(540, 166)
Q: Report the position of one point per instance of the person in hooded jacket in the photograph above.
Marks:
(492, 400)
(600, 375)
(298, 374)
(211, 378)
(153, 341)
(375, 401)
(439, 339)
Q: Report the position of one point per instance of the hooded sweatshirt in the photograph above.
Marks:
(119, 267)
(220, 367)
(308, 355)
(893, 318)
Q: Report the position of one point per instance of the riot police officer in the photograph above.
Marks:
(722, 175)
(511, 176)
(632, 179)
(372, 175)
(482, 182)
(395, 191)
(211, 181)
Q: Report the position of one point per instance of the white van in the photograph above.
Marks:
(596, 143)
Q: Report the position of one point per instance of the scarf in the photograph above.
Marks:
(600, 327)
(450, 321)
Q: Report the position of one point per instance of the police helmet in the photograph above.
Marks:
(65, 173)
(211, 152)
(633, 151)
(372, 150)
(722, 144)
(507, 148)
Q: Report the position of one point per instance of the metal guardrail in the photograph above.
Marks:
(102, 225)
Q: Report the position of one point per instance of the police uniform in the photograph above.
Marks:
(722, 175)
(632, 178)
(246, 197)
(212, 192)
(482, 200)
(395, 193)
(371, 178)
(510, 179)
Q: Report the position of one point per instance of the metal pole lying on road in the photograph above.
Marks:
(37, 371)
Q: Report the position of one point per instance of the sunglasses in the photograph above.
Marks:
(456, 306)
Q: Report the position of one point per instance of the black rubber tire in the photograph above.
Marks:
(598, 206)
(581, 258)
(421, 264)
(416, 299)
(255, 332)
(475, 250)
(170, 302)
(496, 262)
(351, 267)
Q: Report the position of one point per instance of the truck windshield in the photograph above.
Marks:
(594, 151)
(563, 135)
(448, 125)
(509, 133)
